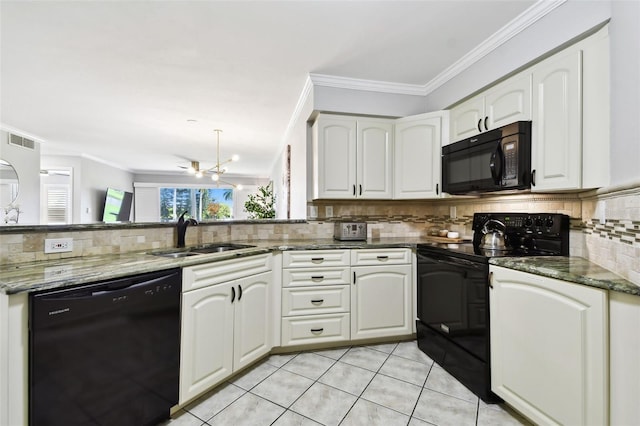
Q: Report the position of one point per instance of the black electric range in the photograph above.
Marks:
(453, 290)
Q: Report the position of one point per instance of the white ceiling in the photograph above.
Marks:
(118, 80)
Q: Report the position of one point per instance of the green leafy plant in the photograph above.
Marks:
(262, 204)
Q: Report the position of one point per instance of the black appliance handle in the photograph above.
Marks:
(497, 160)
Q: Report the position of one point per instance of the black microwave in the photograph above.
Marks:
(496, 160)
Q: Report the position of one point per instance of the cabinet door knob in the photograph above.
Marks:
(240, 292)
(490, 279)
(233, 294)
(317, 259)
(437, 188)
(480, 125)
(317, 330)
(317, 301)
(383, 257)
(354, 189)
(354, 278)
(533, 177)
(360, 189)
(317, 277)
(486, 120)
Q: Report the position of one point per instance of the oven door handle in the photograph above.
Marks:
(495, 164)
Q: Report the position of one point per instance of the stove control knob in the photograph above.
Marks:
(538, 221)
(549, 222)
(528, 222)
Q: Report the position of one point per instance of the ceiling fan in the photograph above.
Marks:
(216, 171)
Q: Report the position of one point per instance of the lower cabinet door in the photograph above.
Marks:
(253, 319)
(549, 348)
(315, 329)
(206, 354)
(381, 301)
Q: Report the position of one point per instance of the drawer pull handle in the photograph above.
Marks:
(383, 257)
(317, 277)
(318, 301)
(317, 259)
(317, 330)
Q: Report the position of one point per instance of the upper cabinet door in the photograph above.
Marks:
(467, 119)
(334, 157)
(417, 156)
(556, 161)
(508, 102)
(373, 165)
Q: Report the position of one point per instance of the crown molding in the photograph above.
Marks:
(368, 85)
(527, 18)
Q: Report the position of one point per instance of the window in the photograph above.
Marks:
(199, 203)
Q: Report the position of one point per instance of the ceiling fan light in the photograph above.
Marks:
(239, 187)
(198, 174)
(191, 170)
(215, 177)
(235, 157)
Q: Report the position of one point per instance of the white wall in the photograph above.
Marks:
(566, 22)
(26, 162)
(90, 182)
(362, 102)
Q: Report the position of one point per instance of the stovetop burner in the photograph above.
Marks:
(526, 234)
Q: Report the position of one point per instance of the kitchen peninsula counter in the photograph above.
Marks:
(59, 273)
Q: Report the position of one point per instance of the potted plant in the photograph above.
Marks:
(262, 204)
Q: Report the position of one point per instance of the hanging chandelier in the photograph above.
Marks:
(217, 170)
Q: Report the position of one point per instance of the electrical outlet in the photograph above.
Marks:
(452, 212)
(328, 211)
(58, 245)
(313, 212)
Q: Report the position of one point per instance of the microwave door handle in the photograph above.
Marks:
(496, 165)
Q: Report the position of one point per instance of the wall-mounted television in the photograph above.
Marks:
(117, 206)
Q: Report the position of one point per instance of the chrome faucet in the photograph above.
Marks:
(182, 228)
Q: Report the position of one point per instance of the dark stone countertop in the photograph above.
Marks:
(572, 269)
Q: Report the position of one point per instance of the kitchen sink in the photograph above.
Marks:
(218, 248)
(204, 249)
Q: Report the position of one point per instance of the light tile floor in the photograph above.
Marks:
(385, 384)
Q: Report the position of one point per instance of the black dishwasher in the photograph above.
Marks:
(106, 353)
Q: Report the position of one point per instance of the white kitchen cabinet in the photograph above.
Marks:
(417, 156)
(226, 322)
(206, 349)
(252, 319)
(556, 160)
(315, 296)
(549, 348)
(352, 157)
(505, 103)
(381, 293)
(570, 127)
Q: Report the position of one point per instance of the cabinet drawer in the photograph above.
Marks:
(315, 276)
(380, 257)
(313, 258)
(315, 300)
(315, 329)
(226, 270)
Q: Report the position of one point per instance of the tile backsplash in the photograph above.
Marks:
(605, 227)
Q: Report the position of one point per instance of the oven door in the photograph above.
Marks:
(453, 300)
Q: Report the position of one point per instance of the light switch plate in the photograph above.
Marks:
(328, 211)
